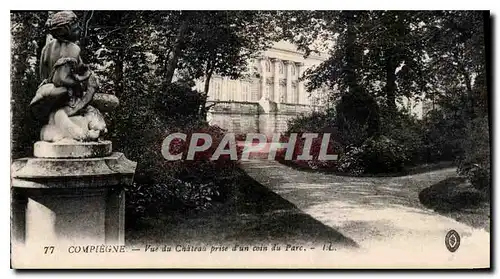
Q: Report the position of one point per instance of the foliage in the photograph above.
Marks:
(315, 161)
(137, 54)
(222, 42)
(407, 131)
(149, 200)
(476, 161)
(383, 155)
(177, 185)
(380, 52)
(351, 161)
(443, 136)
(314, 122)
(27, 40)
(457, 60)
(378, 57)
(179, 102)
(357, 118)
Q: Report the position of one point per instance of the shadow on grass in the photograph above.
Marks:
(454, 197)
(253, 215)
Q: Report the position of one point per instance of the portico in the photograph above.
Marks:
(272, 91)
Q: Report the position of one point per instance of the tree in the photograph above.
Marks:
(27, 41)
(356, 109)
(222, 42)
(457, 59)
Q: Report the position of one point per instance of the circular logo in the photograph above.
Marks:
(452, 241)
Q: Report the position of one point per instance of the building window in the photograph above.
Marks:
(268, 92)
(283, 94)
(244, 92)
(232, 90)
(293, 70)
(268, 67)
(280, 68)
(218, 91)
(295, 99)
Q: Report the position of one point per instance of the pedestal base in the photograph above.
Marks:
(70, 200)
(72, 149)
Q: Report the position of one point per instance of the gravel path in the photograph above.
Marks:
(382, 215)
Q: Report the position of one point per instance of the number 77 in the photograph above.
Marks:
(48, 249)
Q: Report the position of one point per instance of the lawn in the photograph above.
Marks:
(253, 215)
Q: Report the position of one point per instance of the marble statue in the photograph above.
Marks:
(67, 99)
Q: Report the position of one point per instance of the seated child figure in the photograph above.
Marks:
(69, 85)
(69, 89)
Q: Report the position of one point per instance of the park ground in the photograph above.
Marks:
(406, 215)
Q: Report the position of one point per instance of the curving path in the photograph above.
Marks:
(382, 214)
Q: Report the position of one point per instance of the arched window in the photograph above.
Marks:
(293, 70)
(280, 68)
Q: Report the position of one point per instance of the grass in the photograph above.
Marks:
(456, 198)
(252, 215)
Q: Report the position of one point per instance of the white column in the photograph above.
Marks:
(276, 93)
(289, 93)
(300, 85)
(263, 78)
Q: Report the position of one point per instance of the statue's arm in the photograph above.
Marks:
(64, 77)
(83, 77)
(87, 97)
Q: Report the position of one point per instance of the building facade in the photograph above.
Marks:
(269, 95)
(272, 93)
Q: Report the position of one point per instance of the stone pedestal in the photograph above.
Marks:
(74, 199)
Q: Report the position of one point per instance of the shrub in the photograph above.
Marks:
(315, 163)
(406, 130)
(357, 118)
(383, 155)
(351, 162)
(181, 103)
(475, 163)
(442, 136)
(314, 122)
(376, 155)
(150, 200)
(162, 185)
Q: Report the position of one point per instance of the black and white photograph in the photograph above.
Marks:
(326, 139)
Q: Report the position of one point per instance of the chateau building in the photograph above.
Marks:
(269, 95)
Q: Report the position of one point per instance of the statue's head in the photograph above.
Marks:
(64, 25)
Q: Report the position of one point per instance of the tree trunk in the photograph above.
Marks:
(350, 69)
(208, 76)
(390, 86)
(177, 49)
(207, 84)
